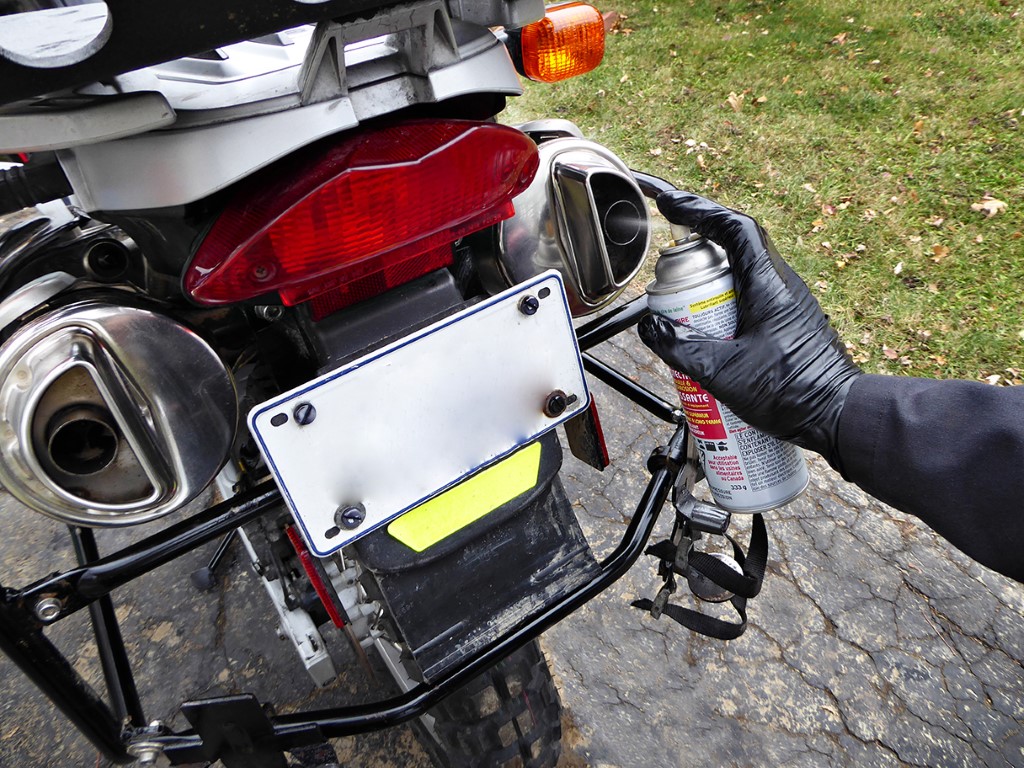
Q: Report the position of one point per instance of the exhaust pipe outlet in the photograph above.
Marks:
(583, 215)
(82, 441)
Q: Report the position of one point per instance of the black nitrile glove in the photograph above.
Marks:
(786, 372)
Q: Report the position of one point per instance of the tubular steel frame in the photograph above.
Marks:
(111, 728)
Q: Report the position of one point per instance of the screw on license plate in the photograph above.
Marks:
(304, 413)
(529, 305)
(557, 402)
(350, 516)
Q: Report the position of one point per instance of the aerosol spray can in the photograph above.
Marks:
(747, 470)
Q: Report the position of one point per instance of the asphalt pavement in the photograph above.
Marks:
(873, 642)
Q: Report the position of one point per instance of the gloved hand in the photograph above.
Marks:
(786, 371)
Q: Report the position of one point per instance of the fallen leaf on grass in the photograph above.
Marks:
(940, 252)
(735, 101)
(890, 354)
(869, 214)
(994, 379)
(914, 239)
(989, 205)
(898, 268)
(936, 222)
(828, 210)
(840, 39)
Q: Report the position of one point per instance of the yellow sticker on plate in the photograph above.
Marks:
(437, 519)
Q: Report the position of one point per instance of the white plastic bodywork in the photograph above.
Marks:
(199, 125)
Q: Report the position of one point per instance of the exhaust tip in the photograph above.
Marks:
(622, 223)
(583, 215)
(82, 441)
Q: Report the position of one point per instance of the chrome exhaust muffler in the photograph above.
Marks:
(583, 215)
(111, 415)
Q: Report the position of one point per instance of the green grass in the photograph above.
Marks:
(866, 131)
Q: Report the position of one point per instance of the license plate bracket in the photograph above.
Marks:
(398, 426)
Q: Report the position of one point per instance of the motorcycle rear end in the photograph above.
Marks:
(301, 262)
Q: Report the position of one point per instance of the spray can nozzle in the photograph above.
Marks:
(680, 233)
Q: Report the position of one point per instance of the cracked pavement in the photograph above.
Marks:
(872, 643)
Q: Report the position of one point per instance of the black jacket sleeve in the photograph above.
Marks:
(949, 452)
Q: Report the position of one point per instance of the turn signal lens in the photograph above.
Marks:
(375, 200)
(567, 42)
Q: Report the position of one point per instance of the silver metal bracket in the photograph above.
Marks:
(422, 34)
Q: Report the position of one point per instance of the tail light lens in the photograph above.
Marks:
(567, 42)
(364, 206)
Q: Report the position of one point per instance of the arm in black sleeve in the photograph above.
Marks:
(948, 452)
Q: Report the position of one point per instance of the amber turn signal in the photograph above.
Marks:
(567, 42)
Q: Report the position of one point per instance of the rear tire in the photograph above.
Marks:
(508, 716)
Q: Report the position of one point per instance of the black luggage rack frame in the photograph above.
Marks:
(119, 729)
(141, 33)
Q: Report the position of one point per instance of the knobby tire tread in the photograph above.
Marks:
(508, 716)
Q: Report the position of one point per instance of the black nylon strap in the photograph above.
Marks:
(743, 586)
(701, 622)
(748, 583)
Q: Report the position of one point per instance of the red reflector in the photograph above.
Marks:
(599, 434)
(325, 595)
(377, 198)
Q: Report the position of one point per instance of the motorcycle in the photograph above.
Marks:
(307, 216)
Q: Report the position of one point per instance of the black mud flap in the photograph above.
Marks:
(473, 586)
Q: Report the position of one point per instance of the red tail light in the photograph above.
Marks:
(367, 204)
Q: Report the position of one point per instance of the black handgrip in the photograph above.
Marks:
(27, 185)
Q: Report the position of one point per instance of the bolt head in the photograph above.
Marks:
(48, 609)
(350, 516)
(556, 404)
(529, 305)
(304, 414)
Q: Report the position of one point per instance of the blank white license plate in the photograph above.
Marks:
(408, 421)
